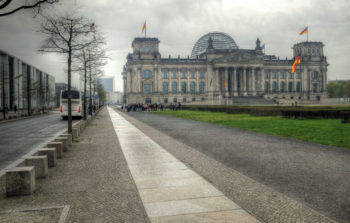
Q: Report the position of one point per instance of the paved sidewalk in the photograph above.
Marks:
(92, 178)
(169, 190)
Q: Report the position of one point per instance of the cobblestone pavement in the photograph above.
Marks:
(274, 178)
(92, 177)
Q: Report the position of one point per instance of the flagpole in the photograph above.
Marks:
(145, 30)
(307, 34)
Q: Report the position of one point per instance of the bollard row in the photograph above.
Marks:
(20, 180)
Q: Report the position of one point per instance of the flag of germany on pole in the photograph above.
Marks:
(144, 28)
(296, 63)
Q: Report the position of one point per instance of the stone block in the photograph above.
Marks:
(64, 141)
(51, 154)
(20, 181)
(58, 146)
(75, 132)
(69, 137)
(40, 164)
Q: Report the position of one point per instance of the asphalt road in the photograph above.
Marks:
(316, 175)
(19, 137)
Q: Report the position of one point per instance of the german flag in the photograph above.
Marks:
(296, 63)
(144, 26)
(306, 30)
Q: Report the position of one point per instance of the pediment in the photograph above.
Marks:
(246, 57)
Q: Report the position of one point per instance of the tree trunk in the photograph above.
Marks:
(85, 71)
(70, 130)
(90, 110)
(3, 91)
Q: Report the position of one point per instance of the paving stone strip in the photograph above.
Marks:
(169, 190)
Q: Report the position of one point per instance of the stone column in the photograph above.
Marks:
(128, 82)
(310, 81)
(270, 85)
(226, 82)
(244, 84)
(253, 82)
(262, 78)
(234, 82)
(217, 80)
(278, 81)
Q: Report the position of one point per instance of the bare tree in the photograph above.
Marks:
(92, 56)
(67, 35)
(8, 7)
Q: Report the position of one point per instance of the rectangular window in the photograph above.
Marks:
(274, 75)
(201, 75)
(298, 75)
(174, 74)
(174, 99)
(192, 75)
(193, 99)
(290, 75)
(165, 100)
(183, 75)
(282, 75)
(165, 75)
(147, 88)
(184, 99)
(267, 75)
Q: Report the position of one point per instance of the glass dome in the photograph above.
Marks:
(221, 41)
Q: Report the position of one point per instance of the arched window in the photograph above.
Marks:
(201, 87)
(147, 74)
(193, 87)
(298, 86)
(165, 87)
(290, 86)
(282, 86)
(174, 88)
(266, 87)
(274, 86)
(183, 87)
(314, 87)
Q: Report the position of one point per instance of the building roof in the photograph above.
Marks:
(221, 41)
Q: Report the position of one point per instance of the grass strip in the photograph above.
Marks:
(323, 131)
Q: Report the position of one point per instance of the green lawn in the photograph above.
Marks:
(323, 131)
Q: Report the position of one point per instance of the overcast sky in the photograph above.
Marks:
(178, 24)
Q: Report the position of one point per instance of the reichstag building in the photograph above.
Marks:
(219, 72)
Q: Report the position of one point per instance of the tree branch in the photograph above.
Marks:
(37, 4)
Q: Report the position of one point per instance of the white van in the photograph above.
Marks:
(77, 109)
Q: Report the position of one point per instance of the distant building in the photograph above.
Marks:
(23, 86)
(218, 72)
(108, 83)
(114, 98)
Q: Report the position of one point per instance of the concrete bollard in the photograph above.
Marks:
(69, 137)
(40, 165)
(20, 181)
(58, 146)
(51, 155)
(64, 141)
(75, 132)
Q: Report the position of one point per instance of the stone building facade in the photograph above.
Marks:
(218, 72)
